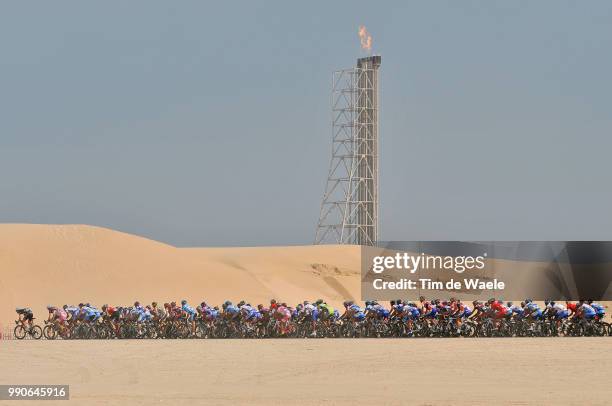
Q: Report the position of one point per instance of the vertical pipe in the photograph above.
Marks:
(366, 218)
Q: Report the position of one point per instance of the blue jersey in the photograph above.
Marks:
(432, 312)
(90, 313)
(188, 309)
(356, 312)
(381, 311)
(232, 310)
(73, 311)
(411, 312)
(210, 312)
(532, 307)
(588, 310)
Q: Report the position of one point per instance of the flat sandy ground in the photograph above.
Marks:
(286, 372)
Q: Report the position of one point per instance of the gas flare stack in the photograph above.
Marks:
(349, 210)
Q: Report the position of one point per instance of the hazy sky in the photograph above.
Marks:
(208, 123)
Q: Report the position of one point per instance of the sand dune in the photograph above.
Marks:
(57, 264)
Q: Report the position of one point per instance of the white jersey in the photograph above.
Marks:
(559, 308)
(309, 308)
(587, 309)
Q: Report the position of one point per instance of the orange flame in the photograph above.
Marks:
(365, 38)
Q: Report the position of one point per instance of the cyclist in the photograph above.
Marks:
(72, 312)
(282, 315)
(190, 313)
(586, 311)
(429, 310)
(113, 315)
(25, 314)
(326, 312)
(352, 312)
(409, 313)
(559, 312)
(600, 310)
(572, 308)
(310, 314)
(158, 313)
(532, 310)
(517, 310)
(57, 316)
(88, 313)
(459, 311)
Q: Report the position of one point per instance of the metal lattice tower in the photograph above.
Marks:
(349, 210)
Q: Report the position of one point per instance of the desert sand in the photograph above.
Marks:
(43, 264)
(311, 372)
(68, 264)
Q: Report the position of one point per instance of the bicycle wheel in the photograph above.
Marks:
(49, 332)
(599, 329)
(19, 332)
(36, 332)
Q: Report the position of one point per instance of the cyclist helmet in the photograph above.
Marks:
(183, 302)
(509, 304)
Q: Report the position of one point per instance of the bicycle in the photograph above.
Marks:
(21, 331)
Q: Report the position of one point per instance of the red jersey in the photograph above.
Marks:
(498, 307)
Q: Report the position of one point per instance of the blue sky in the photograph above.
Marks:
(208, 123)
